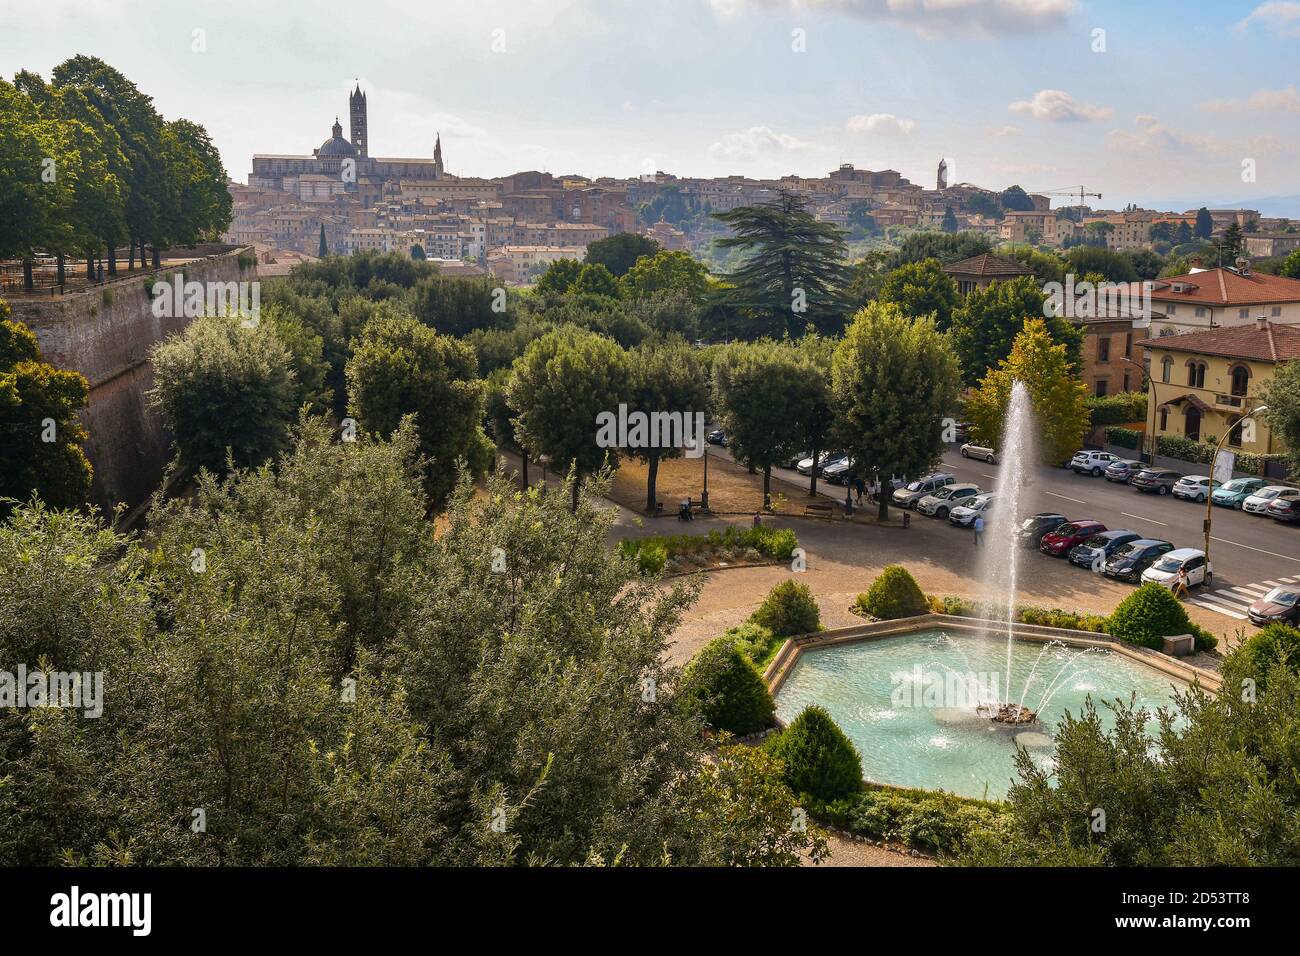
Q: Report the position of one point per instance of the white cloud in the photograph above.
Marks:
(1004, 131)
(1152, 135)
(1057, 106)
(755, 142)
(885, 123)
(1281, 15)
(928, 17)
(1266, 101)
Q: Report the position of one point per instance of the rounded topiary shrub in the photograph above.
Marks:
(818, 758)
(788, 609)
(755, 641)
(1149, 615)
(1275, 643)
(894, 593)
(722, 686)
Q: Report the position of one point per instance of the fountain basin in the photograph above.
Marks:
(944, 735)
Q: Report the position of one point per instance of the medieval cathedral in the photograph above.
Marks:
(342, 165)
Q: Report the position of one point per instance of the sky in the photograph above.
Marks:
(1161, 102)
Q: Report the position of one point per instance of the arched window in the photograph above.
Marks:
(1192, 423)
(1240, 380)
(1195, 373)
(1166, 369)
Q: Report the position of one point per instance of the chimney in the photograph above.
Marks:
(1197, 262)
(1261, 322)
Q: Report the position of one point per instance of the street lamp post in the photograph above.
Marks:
(704, 496)
(1214, 460)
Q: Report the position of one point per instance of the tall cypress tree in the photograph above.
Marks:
(323, 251)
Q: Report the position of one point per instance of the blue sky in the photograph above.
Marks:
(1011, 91)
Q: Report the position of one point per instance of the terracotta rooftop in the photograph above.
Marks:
(988, 265)
(1272, 343)
(1225, 288)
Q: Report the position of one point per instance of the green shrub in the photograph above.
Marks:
(1123, 437)
(775, 543)
(788, 609)
(818, 758)
(1056, 617)
(1173, 446)
(723, 687)
(1148, 615)
(1118, 408)
(1275, 643)
(925, 820)
(894, 593)
(948, 604)
(756, 642)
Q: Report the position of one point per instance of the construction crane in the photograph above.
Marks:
(1081, 193)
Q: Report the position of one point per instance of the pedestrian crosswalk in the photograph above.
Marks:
(1235, 601)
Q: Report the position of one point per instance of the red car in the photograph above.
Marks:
(1059, 541)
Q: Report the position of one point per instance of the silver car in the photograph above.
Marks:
(945, 499)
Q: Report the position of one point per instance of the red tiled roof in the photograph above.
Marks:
(1273, 343)
(1224, 287)
(988, 265)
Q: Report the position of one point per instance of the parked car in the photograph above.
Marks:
(1091, 462)
(914, 491)
(1128, 563)
(717, 437)
(942, 500)
(964, 515)
(1031, 530)
(962, 432)
(1257, 504)
(1233, 494)
(806, 464)
(1096, 550)
(1192, 488)
(1159, 480)
(1285, 508)
(1122, 470)
(982, 452)
(837, 472)
(1165, 571)
(793, 460)
(1059, 541)
(1279, 604)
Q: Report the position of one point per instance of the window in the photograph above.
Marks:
(1102, 385)
(1240, 379)
(1166, 368)
(1200, 312)
(1277, 311)
(1103, 349)
(1243, 313)
(1195, 374)
(1164, 418)
(1173, 310)
(1192, 423)
(1128, 346)
(1128, 384)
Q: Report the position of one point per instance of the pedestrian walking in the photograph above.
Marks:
(1180, 586)
(978, 525)
(858, 486)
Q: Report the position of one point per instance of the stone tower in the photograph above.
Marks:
(941, 181)
(357, 110)
(437, 157)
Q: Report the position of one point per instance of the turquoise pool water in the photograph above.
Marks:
(908, 702)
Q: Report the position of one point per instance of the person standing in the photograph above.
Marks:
(978, 525)
(1180, 588)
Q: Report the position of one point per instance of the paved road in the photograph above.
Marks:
(1250, 553)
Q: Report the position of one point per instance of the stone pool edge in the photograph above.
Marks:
(779, 669)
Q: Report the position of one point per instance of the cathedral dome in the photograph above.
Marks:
(336, 145)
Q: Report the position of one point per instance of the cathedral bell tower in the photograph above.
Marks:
(357, 112)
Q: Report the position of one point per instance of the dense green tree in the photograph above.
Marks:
(198, 206)
(225, 385)
(458, 306)
(1282, 396)
(559, 276)
(1114, 266)
(560, 385)
(1230, 244)
(595, 279)
(666, 378)
(1016, 199)
(818, 759)
(667, 272)
(400, 367)
(323, 250)
(893, 380)
(1059, 399)
(1290, 267)
(922, 288)
(794, 271)
(1204, 227)
(761, 394)
(987, 321)
(619, 252)
(39, 425)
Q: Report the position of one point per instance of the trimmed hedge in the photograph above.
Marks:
(1123, 437)
(893, 594)
(1152, 613)
(1118, 408)
(817, 758)
(775, 543)
(788, 609)
(721, 686)
(1275, 643)
(756, 642)
(933, 821)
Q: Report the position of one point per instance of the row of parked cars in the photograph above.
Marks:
(1252, 495)
(1121, 554)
